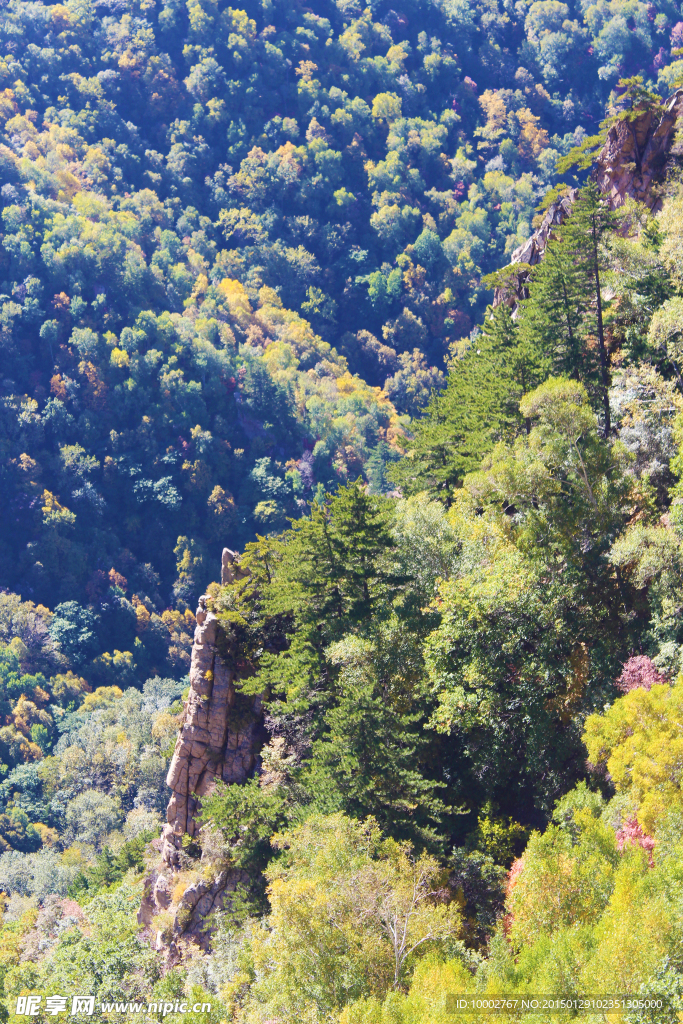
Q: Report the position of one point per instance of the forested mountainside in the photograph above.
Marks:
(431, 742)
(225, 229)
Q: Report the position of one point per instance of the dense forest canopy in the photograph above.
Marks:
(247, 270)
(224, 230)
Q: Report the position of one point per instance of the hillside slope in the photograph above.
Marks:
(225, 229)
(241, 269)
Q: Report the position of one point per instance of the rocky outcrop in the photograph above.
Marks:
(633, 162)
(230, 567)
(189, 920)
(220, 737)
(636, 155)
(531, 252)
(216, 740)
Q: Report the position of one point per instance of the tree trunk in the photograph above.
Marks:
(601, 332)
(572, 344)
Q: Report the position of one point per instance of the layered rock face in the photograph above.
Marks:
(633, 161)
(199, 900)
(213, 743)
(635, 156)
(220, 738)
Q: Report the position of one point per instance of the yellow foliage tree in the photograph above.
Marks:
(640, 743)
(350, 913)
(532, 139)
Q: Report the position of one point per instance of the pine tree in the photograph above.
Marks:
(344, 687)
(331, 570)
(373, 753)
(550, 319)
(585, 235)
(330, 576)
(564, 314)
(478, 408)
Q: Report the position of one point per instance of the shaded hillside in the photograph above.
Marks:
(219, 223)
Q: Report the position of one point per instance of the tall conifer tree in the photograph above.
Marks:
(564, 314)
(550, 319)
(478, 408)
(585, 238)
(333, 677)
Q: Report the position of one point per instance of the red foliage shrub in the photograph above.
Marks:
(639, 671)
(632, 834)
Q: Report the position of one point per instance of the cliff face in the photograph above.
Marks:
(637, 154)
(220, 737)
(216, 740)
(632, 163)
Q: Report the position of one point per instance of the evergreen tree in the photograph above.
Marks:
(585, 238)
(564, 315)
(478, 408)
(373, 754)
(346, 681)
(377, 465)
(329, 576)
(551, 317)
